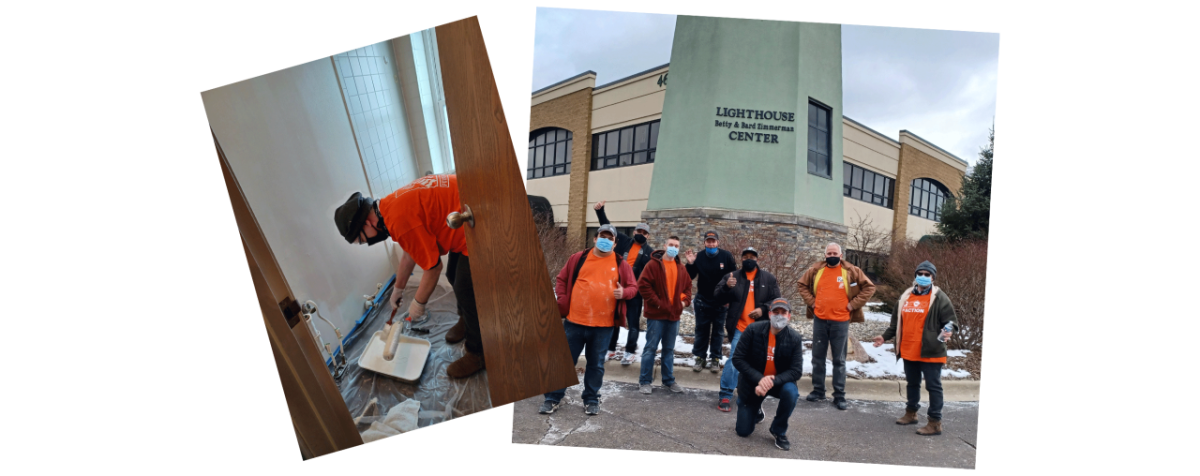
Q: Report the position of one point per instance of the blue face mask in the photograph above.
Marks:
(672, 251)
(924, 281)
(604, 244)
(711, 251)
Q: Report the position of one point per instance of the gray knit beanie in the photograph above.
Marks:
(927, 266)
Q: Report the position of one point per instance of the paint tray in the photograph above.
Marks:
(406, 365)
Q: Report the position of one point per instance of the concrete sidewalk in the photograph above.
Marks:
(878, 390)
(689, 422)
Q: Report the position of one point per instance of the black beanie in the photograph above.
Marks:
(927, 266)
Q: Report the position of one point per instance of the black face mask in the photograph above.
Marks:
(381, 231)
(640, 239)
(833, 260)
(749, 265)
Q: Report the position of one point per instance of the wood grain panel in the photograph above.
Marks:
(523, 339)
(319, 415)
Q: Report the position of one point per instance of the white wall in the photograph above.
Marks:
(918, 227)
(625, 190)
(556, 189)
(289, 143)
(880, 217)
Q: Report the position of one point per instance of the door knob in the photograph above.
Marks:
(455, 220)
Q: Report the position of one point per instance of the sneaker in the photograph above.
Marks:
(645, 389)
(840, 403)
(714, 364)
(612, 355)
(592, 408)
(814, 396)
(725, 406)
(698, 366)
(674, 387)
(548, 407)
(760, 417)
(629, 359)
(782, 442)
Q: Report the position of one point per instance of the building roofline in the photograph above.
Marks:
(610, 83)
(565, 81)
(864, 126)
(935, 146)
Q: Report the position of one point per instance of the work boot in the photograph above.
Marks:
(714, 364)
(465, 366)
(909, 418)
(457, 333)
(840, 403)
(814, 396)
(934, 427)
(674, 387)
(699, 365)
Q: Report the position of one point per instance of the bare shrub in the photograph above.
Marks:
(961, 273)
(864, 235)
(785, 259)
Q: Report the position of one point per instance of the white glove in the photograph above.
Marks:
(416, 309)
(397, 296)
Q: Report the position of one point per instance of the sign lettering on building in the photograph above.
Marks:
(761, 130)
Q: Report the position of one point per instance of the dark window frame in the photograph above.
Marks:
(541, 145)
(853, 185)
(926, 197)
(603, 158)
(815, 133)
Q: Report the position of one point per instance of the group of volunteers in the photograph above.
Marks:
(622, 278)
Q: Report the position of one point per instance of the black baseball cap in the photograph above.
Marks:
(781, 303)
(711, 234)
(750, 249)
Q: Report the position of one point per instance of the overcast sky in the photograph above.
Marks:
(940, 85)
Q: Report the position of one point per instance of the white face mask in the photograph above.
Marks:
(779, 321)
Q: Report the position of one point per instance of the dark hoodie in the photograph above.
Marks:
(652, 285)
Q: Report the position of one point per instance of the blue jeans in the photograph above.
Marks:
(826, 335)
(658, 330)
(932, 371)
(595, 340)
(749, 405)
(729, 375)
(710, 329)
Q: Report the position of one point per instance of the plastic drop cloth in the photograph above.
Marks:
(372, 398)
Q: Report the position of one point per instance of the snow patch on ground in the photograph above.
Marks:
(877, 316)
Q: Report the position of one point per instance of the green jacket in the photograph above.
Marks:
(941, 312)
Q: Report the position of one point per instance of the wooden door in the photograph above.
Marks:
(523, 339)
(323, 424)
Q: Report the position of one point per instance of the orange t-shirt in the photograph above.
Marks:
(746, 319)
(592, 301)
(831, 296)
(915, 309)
(672, 269)
(633, 254)
(770, 368)
(415, 216)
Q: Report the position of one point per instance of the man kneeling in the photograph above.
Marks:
(769, 359)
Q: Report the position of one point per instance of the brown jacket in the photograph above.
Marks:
(652, 285)
(858, 291)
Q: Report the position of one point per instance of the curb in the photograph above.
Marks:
(856, 389)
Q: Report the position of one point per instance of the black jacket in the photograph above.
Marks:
(624, 243)
(766, 289)
(750, 357)
(709, 270)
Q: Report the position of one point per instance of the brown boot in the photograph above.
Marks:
(457, 333)
(934, 427)
(465, 366)
(909, 418)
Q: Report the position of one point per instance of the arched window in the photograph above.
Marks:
(926, 198)
(549, 152)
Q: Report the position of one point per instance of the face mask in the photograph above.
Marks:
(381, 234)
(833, 260)
(749, 264)
(711, 251)
(924, 281)
(604, 245)
(641, 240)
(779, 321)
(672, 251)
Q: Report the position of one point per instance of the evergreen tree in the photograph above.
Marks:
(965, 217)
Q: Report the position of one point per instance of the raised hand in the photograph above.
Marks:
(600, 204)
(690, 255)
(732, 281)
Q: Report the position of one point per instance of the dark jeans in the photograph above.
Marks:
(633, 315)
(710, 329)
(749, 405)
(913, 370)
(592, 340)
(828, 334)
(458, 272)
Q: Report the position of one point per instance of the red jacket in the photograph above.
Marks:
(653, 288)
(565, 283)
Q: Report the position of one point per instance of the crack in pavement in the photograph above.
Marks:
(667, 436)
(968, 443)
